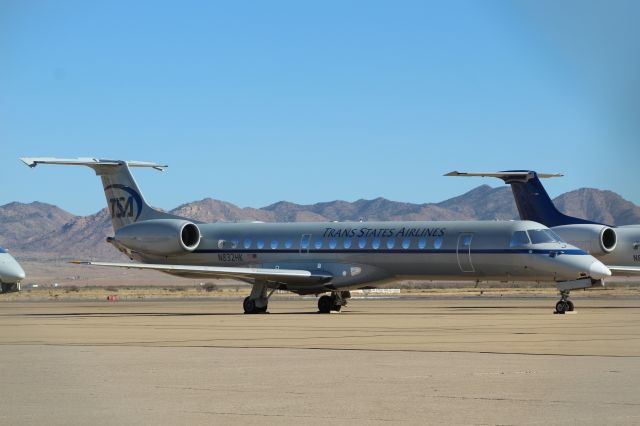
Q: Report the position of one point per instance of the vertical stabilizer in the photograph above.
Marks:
(534, 203)
(124, 199)
(531, 198)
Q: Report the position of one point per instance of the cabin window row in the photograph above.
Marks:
(335, 243)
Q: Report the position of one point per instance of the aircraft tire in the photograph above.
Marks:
(570, 306)
(325, 304)
(249, 305)
(336, 308)
(562, 307)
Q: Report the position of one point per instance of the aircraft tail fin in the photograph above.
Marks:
(124, 199)
(531, 198)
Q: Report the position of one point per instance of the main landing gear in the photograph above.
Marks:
(564, 304)
(258, 300)
(335, 302)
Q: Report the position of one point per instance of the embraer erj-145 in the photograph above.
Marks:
(11, 273)
(618, 247)
(316, 258)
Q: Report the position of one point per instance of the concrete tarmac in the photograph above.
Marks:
(411, 361)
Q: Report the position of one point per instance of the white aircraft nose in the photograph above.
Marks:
(598, 271)
(13, 274)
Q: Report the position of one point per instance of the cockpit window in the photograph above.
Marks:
(519, 238)
(541, 236)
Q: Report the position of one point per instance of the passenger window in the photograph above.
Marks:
(288, 244)
(437, 244)
(247, 243)
(406, 243)
(274, 244)
(260, 244)
(304, 242)
(362, 242)
(518, 239)
(347, 243)
(333, 243)
(391, 242)
(422, 243)
(318, 243)
(235, 243)
(375, 243)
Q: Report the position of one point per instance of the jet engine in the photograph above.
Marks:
(164, 237)
(595, 239)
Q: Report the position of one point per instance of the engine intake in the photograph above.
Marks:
(165, 237)
(595, 239)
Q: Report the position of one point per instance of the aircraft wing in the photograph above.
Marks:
(290, 276)
(620, 270)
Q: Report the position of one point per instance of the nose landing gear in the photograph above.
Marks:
(564, 304)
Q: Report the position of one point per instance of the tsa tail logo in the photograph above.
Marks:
(129, 206)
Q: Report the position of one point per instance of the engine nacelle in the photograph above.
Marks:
(595, 239)
(164, 237)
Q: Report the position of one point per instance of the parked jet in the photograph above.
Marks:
(11, 273)
(315, 258)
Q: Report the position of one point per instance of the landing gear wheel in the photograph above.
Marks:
(569, 305)
(336, 308)
(562, 306)
(249, 305)
(325, 304)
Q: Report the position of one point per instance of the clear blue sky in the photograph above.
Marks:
(256, 102)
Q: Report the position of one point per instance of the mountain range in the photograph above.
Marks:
(40, 232)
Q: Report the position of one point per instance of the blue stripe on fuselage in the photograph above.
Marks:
(397, 251)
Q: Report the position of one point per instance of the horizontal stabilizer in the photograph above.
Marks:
(34, 161)
(524, 175)
(297, 276)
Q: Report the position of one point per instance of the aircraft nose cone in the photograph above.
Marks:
(14, 274)
(598, 271)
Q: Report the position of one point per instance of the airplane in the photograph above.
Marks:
(618, 247)
(329, 257)
(11, 273)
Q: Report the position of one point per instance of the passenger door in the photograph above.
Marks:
(464, 252)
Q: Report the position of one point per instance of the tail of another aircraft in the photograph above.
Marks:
(531, 198)
(124, 199)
